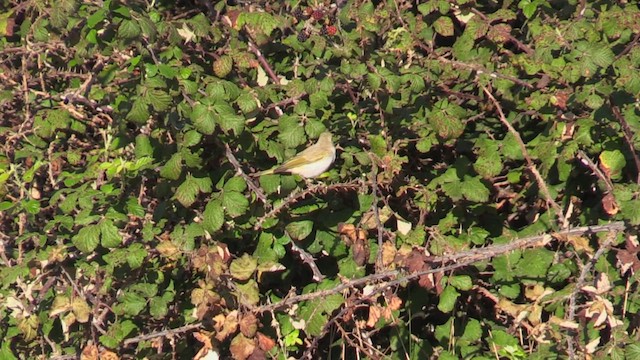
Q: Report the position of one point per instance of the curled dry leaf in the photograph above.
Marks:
(628, 257)
(350, 233)
(226, 325)
(388, 253)
(374, 315)
(264, 342)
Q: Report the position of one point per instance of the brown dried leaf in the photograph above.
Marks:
(258, 354)
(416, 261)
(108, 355)
(426, 281)
(510, 308)
(264, 342)
(227, 326)
(241, 347)
(248, 325)
(395, 303)
(610, 205)
(90, 352)
(361, 252)
(81, 309)
(628, 258)
(204, 339)
(168, 249)
(350, 233)
(374, 315)
(560, 99)
(580, 243)
(388, 253)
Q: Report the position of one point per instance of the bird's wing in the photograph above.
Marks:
(305, 157)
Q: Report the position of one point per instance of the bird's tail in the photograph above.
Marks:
(260, 173)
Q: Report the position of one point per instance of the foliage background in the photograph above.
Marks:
(130, 228)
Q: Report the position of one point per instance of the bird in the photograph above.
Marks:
(310, 162)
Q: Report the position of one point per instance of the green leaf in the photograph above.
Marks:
(139, 112)
(110, 236)
(136, 253)
(444, 26)
(472, 330)
(318, 100)
(291, 132)
(187, 191)
(378, 145)
(173, 167)
(87, 238)
(244, 267)
(247, 103)
(129, 29)
(158, 307)
(143, 146)
(236, 183)
(228, 119)
(612, 163)
(632, 351)
(461, 282)
(270, 183)
(474, 190)
(235, 203)
(248, 294)
(116, 333)
(602, 55)
(299, 230)
(132, 303)
(448, 299)
(534, 263)
(631, 210)
(6, 352)
(213, 216)
(203, 118)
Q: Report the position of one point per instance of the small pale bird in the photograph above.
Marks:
(310, 162)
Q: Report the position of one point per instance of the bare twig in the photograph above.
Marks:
(482, 70)
(447, 263)
(580, 283)
(530, 164)
(628, 137)
(308, 260)
(263, 62)
(236, 165)
(163, 333)
(586, 160)
(630, 46)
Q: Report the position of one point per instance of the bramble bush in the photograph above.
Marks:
(484, 202)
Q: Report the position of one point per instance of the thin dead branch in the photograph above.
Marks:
(447, 263)
(530, 164)
(255, 188)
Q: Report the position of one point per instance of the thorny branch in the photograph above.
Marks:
(392, 278)
(447, 262)
(530, 164)
(236, 165)
(628, 138)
